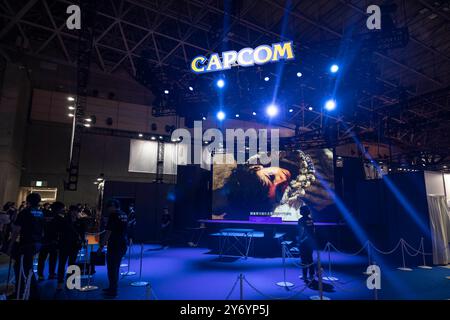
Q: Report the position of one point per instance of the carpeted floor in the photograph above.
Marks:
(193, 273)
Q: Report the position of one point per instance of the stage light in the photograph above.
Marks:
(88, 119)
(220, 115)
(204, 118)
(272, 110)
(87, 125)
(191, 89)
(291, 110)
(140, 135)
(299, 74)
(71, 98)
(334, 68)
(220, 83)
(310, 108)
(237, 115)
(166, 91)
(160, 137)
(153, 138)
(71, 108)
(330, 105)
(254, 113)
(70, 115)
(266, 79)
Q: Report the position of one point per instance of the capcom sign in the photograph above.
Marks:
(246, 57)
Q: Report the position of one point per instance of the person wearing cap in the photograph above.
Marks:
(26, 241)
(306, 241)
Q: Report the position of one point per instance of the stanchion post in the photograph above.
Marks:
(83, 276)
(330, 277)
(241, 287)
(319, 271)
(89, 287)
(128, 272)
(422, 246)
(284, 283)
(140, 283)
(403, 268)
(368, 256)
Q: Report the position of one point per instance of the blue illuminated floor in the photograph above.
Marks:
(192, 273)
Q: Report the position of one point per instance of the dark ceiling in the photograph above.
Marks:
(399, 95)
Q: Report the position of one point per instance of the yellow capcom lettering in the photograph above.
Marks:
(196, 62)
(282, 50)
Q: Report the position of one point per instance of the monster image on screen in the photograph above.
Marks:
(253, 189)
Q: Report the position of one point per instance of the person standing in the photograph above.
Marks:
(49, 246)
(26, 240)
(71, 234)
(306, 238)
(116, 238)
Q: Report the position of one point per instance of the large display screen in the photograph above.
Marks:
(253, 189)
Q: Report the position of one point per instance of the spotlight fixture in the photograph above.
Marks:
(203, 118)
(101, 177)
(220, 115)
(291, 110)
(266, 79)
(272, 110)
(71, 108)
(71, 115)
(87, 125)
(334, 68)
(254, 113)
(71, 98)
(153, 138)
(140, 135)
(310, 108)
(237, 115)
(191, 88)
(220, 83)
(160, 137)
(88, 120)
(330, 105)
(166, 91)
(299, 74)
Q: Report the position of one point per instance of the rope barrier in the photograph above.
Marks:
(387, 252)
(232, 289)
(272, 297)
(349, 254)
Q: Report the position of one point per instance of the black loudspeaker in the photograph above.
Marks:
(192, 196)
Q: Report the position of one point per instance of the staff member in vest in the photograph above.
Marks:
(116, 238)
(49, 246)
(27, 230)
(306, 242)
(71, 234)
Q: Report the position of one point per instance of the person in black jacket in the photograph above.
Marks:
(71, 234)
(116, 238)
(26, 241)
(306, 240)
(49, 246)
